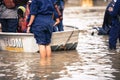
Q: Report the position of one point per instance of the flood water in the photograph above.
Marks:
(90, 61)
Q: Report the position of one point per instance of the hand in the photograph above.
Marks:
(28, 28)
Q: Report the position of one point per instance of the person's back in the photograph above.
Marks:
(41, 24)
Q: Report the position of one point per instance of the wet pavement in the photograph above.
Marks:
(90, 61)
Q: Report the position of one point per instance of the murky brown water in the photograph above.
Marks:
(91, 61)
(98, 62)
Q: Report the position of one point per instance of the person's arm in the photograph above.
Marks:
(32, 17)
(57, 21)
(57, 9)
(33, 13)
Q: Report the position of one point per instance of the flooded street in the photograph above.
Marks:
(90, 61)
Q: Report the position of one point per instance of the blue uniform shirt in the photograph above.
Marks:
(42, 26)
(43, 7)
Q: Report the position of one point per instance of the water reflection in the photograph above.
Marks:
(28, 66)
(92, 61)
(97, 58)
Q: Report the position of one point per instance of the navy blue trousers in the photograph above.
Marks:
(9, 25)
(114, 35)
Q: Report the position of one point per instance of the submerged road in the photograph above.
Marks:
(90, 61)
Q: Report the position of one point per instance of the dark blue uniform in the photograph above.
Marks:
(55, 28)
(107, 18)
(42, 26)
(115, 29)
(60, 3)
(107, 22)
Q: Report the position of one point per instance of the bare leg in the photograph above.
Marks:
(43, 53)
(48, 50)
(43, 61)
